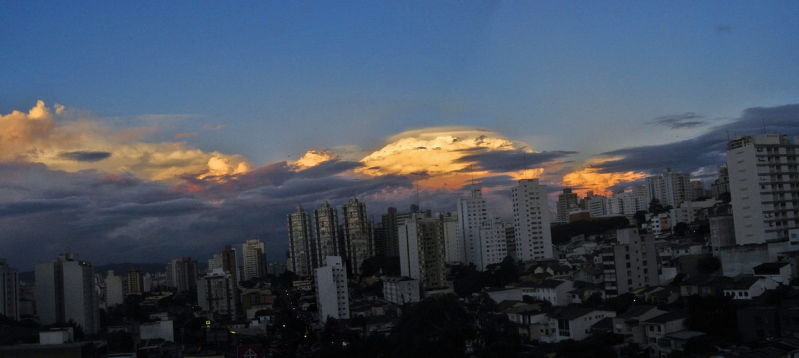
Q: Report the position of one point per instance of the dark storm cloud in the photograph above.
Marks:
(84, 156)
(510, 160)
(38, 206)
(707, 149)
(681, 121)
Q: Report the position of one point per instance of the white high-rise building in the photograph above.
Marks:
(332, 296)
(670, 188)
(114, 293)
(328, 242)
(567, 201)
(452, 239)
(358, 240)
(471, 215)
(215, 262)
(9, 290)
(421, 249)
(300, 254)
(216, 292)
(597, 206)
(531, 220)
(764, 187)
(253, 253)
(492, 244)
(65, 290)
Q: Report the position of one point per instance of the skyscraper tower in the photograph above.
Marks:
(358, 240)
(9, 290)
(253, 253)
(300, 258)
(471, 215)
(65, 291)
(531, 220)
(326, 231)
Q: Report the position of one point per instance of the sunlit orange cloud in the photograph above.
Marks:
(590, 179)
(86, 144)
(314, 157)
(208, 126)
(184, 135)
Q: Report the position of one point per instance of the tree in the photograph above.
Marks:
(708, 264)
(595, 300)
(680, 229)
(388, 265)
(655, 207)
(435, 327)
(640, 217)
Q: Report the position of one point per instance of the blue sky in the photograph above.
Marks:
(254, 84)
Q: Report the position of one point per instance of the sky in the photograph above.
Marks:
(143, 132)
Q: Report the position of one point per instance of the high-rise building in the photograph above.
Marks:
(357, 229)
(452, 240)
(764, 187)
(722, 183)
(510, 240)
(65, 291)
(182, 274)
(253, 253)
(389, 224)
(114, 291)
(217, 292)
(215, 262)
(9, 290)
(230, 263)
(597, 206)
(332, 296)
(471, 215)
(567, 201)
(670, 188)
(301, 253)
(492, 244)
(325, 226)
(135, 281)
(531, 221)
(422, 253)
(631, 263)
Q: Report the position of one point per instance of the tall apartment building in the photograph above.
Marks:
(670, 188)
(135, 281)
(764, 187)
(627, 203)
(357, 229)
(230, 264)
(422, 253)
(631, 263)
(215, 262)
(65, 291)
(492, 246)
(217, 292)
(597, 206)
(9, 290)
(452, 239)
(325, 226)
(510, 240)
(332, 296)
(567, 201)
(300, 258)
(722, 183)
(389, 224)
(182, 274)
(114, 290)
(472, 213)
(531, 221)
(253, 253)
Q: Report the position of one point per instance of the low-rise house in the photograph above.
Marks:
(777, 271)
(555, 292)
(400, 290)
(675, 342)
(666, 295)
(659, 326)
(589, 274)
(703, 285)
(747, 287)
(504, 294)
(530, 319)
(573, 323)
(583, 290)
(629, 323)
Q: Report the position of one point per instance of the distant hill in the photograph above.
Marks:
(119, 269)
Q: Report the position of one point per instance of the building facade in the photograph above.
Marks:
(631, 263)
(332, 295)
(492, 246)
(135, 281)
(358, 240)
(531, 221)
(300, 258)
(422, 254)
(472, 213)
(216, 293)
(253, 255)
(670, 188)
(9, 290)
(65, 291)
(567, 201)
(182, 274)
(325, 226)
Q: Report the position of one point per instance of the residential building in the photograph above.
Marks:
(631, 263)
(555, 292)
(510, 240)
(9, 290)
(452, 239)
(332, 296)
(325, 227)
(748, 287)
(531, 221)
(567, 201)
(722, 183)
(114, 291)
(389, 224)
(215, 262)
(182, 274)
(764, 187)
(597, 206)
(301, 253)
(401, 290)
(471, 215)
(422, 250)
(135, 281)
(659, 326)
(670, 188)
(492, 247)
(230, 264)
(65, 291)
(358, 240)
(629, 323)
(216, 293)
(573, 323)
(253, 255)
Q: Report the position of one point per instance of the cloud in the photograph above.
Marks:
(724, 28)
(680, 121)
(213, 128)
(185, 135)
(512, 160)
(708, 149)
(84, 156)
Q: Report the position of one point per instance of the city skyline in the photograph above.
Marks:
(126, 135)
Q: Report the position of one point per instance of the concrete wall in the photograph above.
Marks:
(739, 260)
